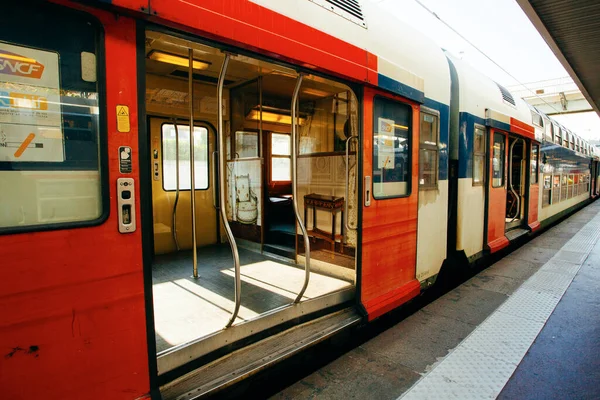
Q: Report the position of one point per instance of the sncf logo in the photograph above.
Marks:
(15, 64)
(385, 127)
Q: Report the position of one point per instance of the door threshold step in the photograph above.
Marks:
(250, 360)
(516, 233)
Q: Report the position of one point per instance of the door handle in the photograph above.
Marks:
(367, 191)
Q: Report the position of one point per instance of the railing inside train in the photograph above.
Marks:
(214, 161)
(294, 110)
(510, 177)
(347, 177)
(221, 142)
(174, 225)
(192, 159)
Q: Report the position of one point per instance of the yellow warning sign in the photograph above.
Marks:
(123, 124)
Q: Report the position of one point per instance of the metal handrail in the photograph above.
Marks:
(174, 225)
(512, 189)
(295, 189)
(222, 177)
(192, 159)
(347, 179)
(214, 160)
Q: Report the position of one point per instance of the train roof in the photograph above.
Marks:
(405, 56)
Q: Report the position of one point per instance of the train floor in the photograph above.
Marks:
(526, 327)
(186, 308)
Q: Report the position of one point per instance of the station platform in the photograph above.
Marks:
(526, 327)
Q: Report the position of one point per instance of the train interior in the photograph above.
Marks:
(516, 195)
(257, 187)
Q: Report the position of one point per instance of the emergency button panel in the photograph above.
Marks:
(126, 205)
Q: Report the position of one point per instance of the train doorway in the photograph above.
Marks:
(516, 194)
(238, 148)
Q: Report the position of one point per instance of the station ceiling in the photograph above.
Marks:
(572, 30)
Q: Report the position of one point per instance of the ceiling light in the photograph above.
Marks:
(274, 117)
(316, 92)
(169, 58)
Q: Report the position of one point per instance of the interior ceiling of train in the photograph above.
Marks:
(168, 56)
(571, 29)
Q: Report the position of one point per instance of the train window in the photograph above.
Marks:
(52, 128)
(557, 189)
(281, 151)
(428, 150)
(537, 119)
(498, 160)
(391, 148)
(557, 134)
(535, 150)
(478, 155)
(169, 157)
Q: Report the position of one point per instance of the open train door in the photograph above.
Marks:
(390, 202)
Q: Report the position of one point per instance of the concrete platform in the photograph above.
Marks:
(526, 327)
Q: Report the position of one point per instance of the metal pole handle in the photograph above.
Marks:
(174, 225)
(214, 160)
(192, 161)
(510, 180)
(222, 178)
(346, 186)
(295, 188)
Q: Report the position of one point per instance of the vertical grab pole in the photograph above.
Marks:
(192, 159)
(347, 185)
(512, 189)
(295, 189)
(174, 225)
(222, 177)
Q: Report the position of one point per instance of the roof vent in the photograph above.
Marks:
(349, 9)
(506, 96)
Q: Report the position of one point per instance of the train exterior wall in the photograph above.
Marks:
(73, 320)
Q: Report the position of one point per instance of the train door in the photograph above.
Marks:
(516, 194)
(390, 201)
(242, 153)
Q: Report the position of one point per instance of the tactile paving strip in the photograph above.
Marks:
(482, 364)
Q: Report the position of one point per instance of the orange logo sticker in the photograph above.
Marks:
(15, 64)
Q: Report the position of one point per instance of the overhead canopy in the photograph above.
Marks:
(572, 30)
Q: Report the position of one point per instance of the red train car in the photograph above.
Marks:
(185, 179)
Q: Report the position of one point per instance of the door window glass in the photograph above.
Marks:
(535, 149)
(478, 155)
(498, 160)
(391, 148)
(169, 157)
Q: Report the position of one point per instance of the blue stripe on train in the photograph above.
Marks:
(444, 135)
(400, 88)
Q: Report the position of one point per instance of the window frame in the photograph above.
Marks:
(410, 147)
(431, 147)
(208, 155)
(103, 161)
(271, 156)
(479, 154)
